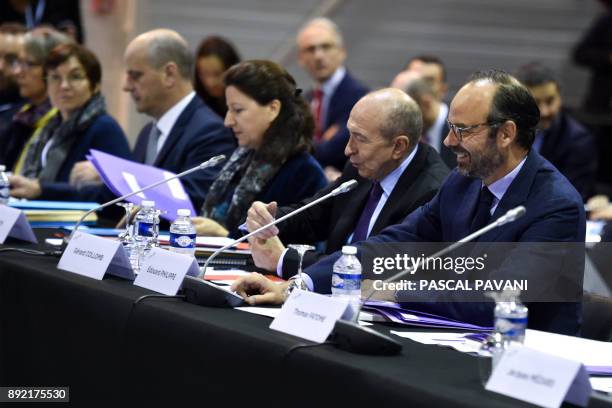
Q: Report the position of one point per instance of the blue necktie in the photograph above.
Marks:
(361, 231)
(151, 153)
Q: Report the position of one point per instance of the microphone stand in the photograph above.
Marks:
(350, 336)
(201, 292)
(213, 161)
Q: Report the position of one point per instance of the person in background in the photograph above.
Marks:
(37, 111)
(73, 83)
(562, 140)
(11, 43)
(213, 57)
(322, 54)
(273, 126)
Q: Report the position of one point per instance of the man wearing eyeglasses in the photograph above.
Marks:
(322, 54)
(492, 122)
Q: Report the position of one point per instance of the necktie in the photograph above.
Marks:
(361, 231)
(152, 145)
(316, 106)
(482, 215)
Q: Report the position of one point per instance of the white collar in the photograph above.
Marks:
(168, 119)
(329, 87)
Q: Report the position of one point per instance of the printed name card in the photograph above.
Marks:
(163, 271)
(13, 223)
(93, 256)
(539, 378)
(309, 315)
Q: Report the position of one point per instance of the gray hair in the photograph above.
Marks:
(163, 49)
(38, 45)
(327, 23)
(420, 87)
(402, 117)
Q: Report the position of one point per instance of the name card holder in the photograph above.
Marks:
(14, 224)
(309, 315)
(163, 271)
(539, 378)
(92, 256)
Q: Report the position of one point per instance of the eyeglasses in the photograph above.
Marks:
(465, 130)
(72, 79)
(24, 64)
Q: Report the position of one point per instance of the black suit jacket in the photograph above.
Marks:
(335, 220)
(571, 149)
(197, 135)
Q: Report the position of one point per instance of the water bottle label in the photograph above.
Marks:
(511, 326)
(183, 240)
(145, 229)
(5, 193)
(346, 281)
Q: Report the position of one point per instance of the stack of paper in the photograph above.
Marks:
(55, 213)
(393, 312)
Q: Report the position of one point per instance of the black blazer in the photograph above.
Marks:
(335, 220)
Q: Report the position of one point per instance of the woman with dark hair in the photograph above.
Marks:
(73, 76)
(274, 126)
(213, 57)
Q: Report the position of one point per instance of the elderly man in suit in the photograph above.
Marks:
(184, 131)
(322, 54)
(492, 120)
(396, 174)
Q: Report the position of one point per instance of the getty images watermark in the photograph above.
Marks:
(543, 272)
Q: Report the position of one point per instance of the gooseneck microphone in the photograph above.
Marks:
(341, 189)
(350, 336)
(213, 161)
(201, 292)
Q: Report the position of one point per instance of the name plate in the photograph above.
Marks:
(539, 378)
(93, 256)
(13, 223)
(163, 271)
(309, 315)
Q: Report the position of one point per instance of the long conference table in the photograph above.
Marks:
(62, 329)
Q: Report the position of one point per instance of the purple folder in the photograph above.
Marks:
(124, 176)
(396, 314)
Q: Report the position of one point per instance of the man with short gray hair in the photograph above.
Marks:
(395, 173)
(184, 131)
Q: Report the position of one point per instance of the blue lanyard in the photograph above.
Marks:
(32, 22)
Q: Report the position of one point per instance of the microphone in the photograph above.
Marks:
(213, 161)
(199, 293)
(350, 336)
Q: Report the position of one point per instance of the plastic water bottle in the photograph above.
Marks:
(183, 234)
(511, 318)
(146, 232)
(346, 278)
(5, 186)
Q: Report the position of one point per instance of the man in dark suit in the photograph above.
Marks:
(493, 120)
(435, 112)
(185, 132)
(321, 52)
(562, 140)
(396, 174)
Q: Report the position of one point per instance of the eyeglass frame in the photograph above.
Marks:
(25, 64)
(71, 79)
(458, 131)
